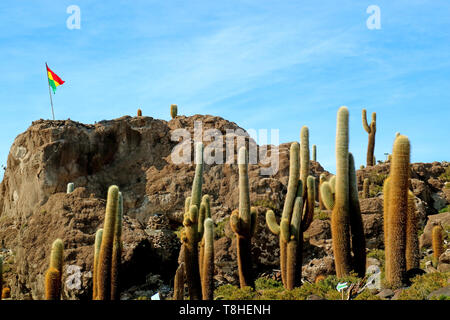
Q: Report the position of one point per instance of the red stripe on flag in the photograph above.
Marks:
(55, 76)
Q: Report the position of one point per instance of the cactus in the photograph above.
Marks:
(356, 223)
(97, 244)
(322, 179)
(52, 284)
(412, 237)
(437, 242)
(106, 247)
(204, 213)
(208, 261)
(308, 214)
(370, 129)
(139, 113)
(173, 111)
(56, 261)
(397, 212)
(386, 202)
(327, 195)
(178, 290)
(117, 251)
(243, 223)
(6, 293)
(196, 195)
(365, 193)
(314, 153)
(1, 273)
(340, 224)
(70, 187)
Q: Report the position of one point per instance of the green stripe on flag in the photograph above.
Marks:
(52, 84)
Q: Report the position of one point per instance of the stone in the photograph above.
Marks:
(445, 291)
(386, 294)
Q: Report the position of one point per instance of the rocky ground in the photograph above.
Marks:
(134, 154)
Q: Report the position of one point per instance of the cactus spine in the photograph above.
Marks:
(178, 290)
(97, 244)
(340, 229)
(356, 223)
(52, 284)
(365, 193)
(397, 211)
(70, 187)
(314, 152)
(106, 247)
(208, 261)
(139, 113)
(243, 223)
(173, 111)
(370, 129)
(437, 243)
(412, 237)
(117, 251)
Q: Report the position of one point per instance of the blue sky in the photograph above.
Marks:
(261, 64)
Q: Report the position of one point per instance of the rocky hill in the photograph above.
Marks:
(134, 153)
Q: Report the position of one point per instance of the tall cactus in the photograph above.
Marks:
(70, 187)
(196, 195)
(52, 284)
(106, 247)
(437, 242)
(97, 244)
(208, 261)
(370, 129)
(314, 153)
(356, 223)
(173, 111)
(340, 224)
(397, 212)
(117, 251)
(365, 193)
(178, 290)
(204, 213)
(412, 237)
(309, 188)
(386, 202)
(243, 223)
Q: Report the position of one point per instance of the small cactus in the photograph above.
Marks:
(56, 262)
(178, 290)
(97, 244)
(243, 223)
(52, 284)
(208, 261)
(314, 153)
(437, 242)
(6, 293)
(106, 247)
(365, 193)
(139, 113)
(370, 129)
(173, 111)
(70, 187)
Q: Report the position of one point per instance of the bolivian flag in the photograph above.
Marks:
(53, 79)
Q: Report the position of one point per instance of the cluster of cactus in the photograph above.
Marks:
(340, 195)
(53, 276)
(298, 212)
(400, 217)
(437, 242)
(197, 240)
(371, 130)
(173, 111)
(108, 249)
(243, 222)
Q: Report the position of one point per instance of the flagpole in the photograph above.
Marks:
(49, 91)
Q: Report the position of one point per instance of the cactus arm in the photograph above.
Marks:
(364, 121)
(294, 169)
(412, 237)
(196, 195)
(254, 219)
(285, 232)
(333, 184)
(386, 201)
(309, 208)
(97, 244)
(117, 250)
(208, 261)
(191, 255)
(244, 192)
(326, 195)
(295, 227)
(304, 157)
(235, 222)
(272, 222)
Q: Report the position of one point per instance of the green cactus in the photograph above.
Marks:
(208, 261)
(173, 111)
(340, 222)
(57, 255)
(178, 290)
(191, 253)
(397, 212)
(117, 251)
(370, 129)
(243, 223)
(196, 195)
(386, 202)
(52, 284)
(327, 194)
(97, 244)
(314, 152)
(412, 236)
(106, 247)
(356, 223)
(70, 187)
(365, 193)
(204, 213)
(322, 179)
(437, 242)
(308, 214)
